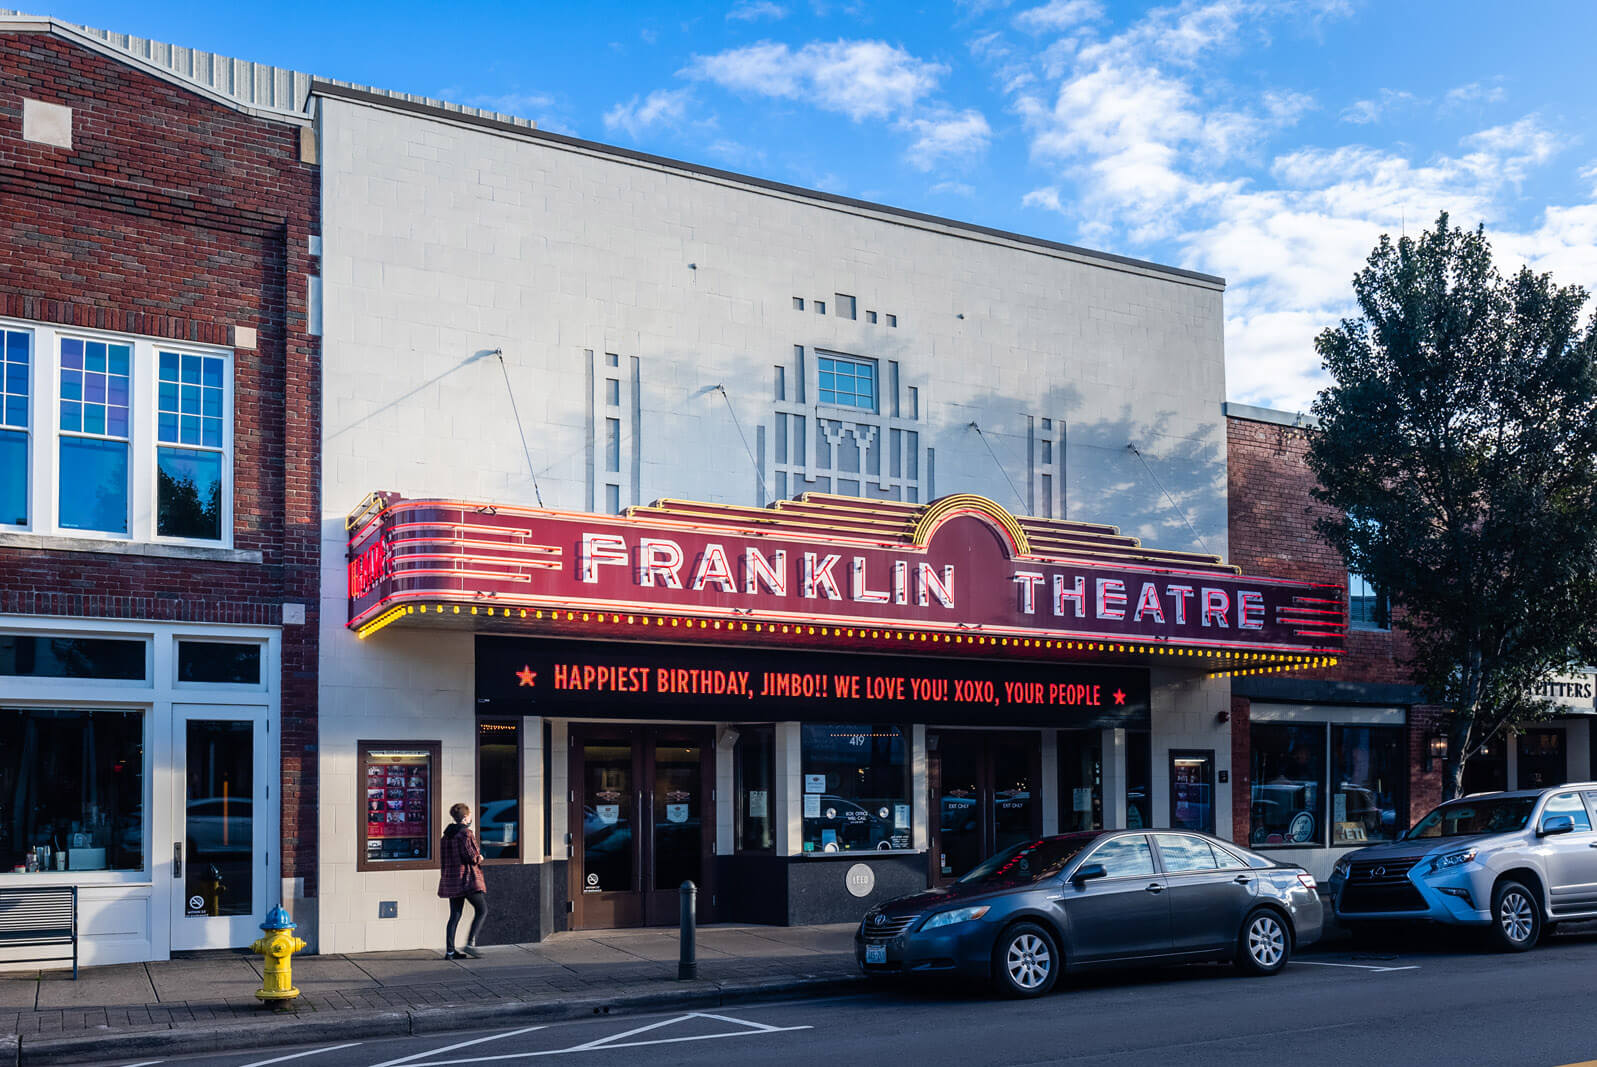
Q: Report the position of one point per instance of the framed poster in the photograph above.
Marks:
(1192, 789)
(401, 804)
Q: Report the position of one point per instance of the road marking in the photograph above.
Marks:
(462, 1044)
(1357, 966)
(144, 1063)
(614, 1041)
(297, 1055)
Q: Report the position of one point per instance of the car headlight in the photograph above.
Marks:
(1451, 860)
(958, 915)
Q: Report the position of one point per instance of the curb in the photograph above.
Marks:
(35, 1051)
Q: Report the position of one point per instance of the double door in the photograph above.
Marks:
(642, 808)
(226, 826)
(985, 795)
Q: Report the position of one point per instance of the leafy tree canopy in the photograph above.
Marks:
(1458, 441)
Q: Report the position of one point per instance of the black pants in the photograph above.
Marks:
(479, 912)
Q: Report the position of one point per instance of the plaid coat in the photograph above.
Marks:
(460, 863)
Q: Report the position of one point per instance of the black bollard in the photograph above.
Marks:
(688, 965)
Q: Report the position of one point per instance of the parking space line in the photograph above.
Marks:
(1357, 966)
(144, 1063)
(297, 1055)
(615, 1041)
(461, 1044)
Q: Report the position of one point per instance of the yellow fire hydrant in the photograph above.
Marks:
(277, 946)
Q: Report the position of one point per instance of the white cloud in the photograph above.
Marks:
(1056, 16)
(752, 10)
(661, 108)
(953, 189)
(1364, 112)
(860, 79)
(1473, 93)
(945, 135)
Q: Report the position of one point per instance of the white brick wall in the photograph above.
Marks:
(442, 242)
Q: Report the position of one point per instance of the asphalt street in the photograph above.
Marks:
(1429, 1001)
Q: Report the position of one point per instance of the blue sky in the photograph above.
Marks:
(1267, 141)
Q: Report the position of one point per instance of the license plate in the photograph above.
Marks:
(875, 953)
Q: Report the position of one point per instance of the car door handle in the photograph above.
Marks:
(1592, 845)
(1242, 879)
(1155, 887)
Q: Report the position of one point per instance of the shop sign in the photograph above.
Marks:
(860, 880)
(1574, 692)
(973, 568)
(625, 680)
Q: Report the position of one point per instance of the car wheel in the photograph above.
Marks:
(1026, 961)
(1265, 943)
(1516, 918)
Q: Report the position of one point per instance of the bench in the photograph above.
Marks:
(39, 917)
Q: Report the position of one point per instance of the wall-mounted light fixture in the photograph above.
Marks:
(1435, 749)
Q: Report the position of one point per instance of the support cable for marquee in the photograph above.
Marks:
(758, 473)
(514, 410)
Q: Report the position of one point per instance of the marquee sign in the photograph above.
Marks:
(961, 565)
(538, 676)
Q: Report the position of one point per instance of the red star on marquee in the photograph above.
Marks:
(1120, 696)
(528, 676)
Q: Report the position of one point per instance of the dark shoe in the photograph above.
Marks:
(449, 953)
(470, 952)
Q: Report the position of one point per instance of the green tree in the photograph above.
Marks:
(1458, 442)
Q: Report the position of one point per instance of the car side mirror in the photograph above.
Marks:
(1088, 873)
(1556, 824)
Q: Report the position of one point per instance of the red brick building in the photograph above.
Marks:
(159, 501)
(1336, 757)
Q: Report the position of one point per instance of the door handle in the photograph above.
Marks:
(1243, 879)
(1592, 845)
(1155, 888)
(177, 859)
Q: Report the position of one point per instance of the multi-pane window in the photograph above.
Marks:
(117, 436)
(190, 395)
(15, 381)
(846, 382)
(1367, 607)
(95, 401)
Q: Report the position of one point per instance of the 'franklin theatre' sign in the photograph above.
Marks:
(960, 563)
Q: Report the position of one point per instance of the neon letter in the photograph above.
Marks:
(659, 556)
(599, 548)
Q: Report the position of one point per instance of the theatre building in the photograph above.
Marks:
(157, 496)
(695, 527)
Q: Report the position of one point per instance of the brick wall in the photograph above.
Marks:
(178, 217)
(1273, 515)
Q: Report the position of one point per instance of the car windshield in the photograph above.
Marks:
(1486, 815)
(1028, 862)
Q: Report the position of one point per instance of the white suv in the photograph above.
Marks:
(1518, 863)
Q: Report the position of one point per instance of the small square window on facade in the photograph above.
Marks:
(611, 359)
(820, 307)
(191, 407)
(870, 317)
(95, 396)
(798, 303)
(219, 662)
(846, 382)
(612, 499)
(1367, 607)
(612, 392)
(1047, 453)
(16, 382)
(843, 306)
(892, 320)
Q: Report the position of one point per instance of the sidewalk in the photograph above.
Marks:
(184, 1006)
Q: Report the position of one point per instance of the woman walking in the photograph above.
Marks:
(460, 881)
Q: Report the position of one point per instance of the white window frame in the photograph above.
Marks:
(1369, 627)
(822, 354)
(184, 637)
(30, 432)
(45, 434)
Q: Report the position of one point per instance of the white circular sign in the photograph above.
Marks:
(593, 879)
(860, 880)
(196, 903)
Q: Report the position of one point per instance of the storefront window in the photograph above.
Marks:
(498, 814)
(399, 791)
(1139, 780)
(71, 790)
(856, 787)
(1080, 780)
(753, 761)
(1369, 772)
(1541, 759)
(1288, 784)
(31, 656)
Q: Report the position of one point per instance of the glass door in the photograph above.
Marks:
(640, 805)
(224, 828)
(985, 791)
